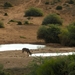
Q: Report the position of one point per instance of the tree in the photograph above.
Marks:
(49, 33)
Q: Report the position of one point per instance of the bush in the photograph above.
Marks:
(71, 66)
(52, 67)
(71, 29)
(33, 12)
(5, 14)
(67, 36)
(72, 73)
(59, 7)
(64, 36)
(26, 22)
(52, 19)
(71, 2)
(49, 34)
(19, 23)
(47, 2)
(7, 5)
(1, 25)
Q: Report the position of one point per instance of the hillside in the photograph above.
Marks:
(13, 33)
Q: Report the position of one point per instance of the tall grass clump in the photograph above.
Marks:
(36, 12)
(52, 19)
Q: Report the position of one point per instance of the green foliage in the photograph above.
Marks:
(33, 12)
(71, 29)
(7, 5)
(1, 25)
(67, 35)
(64, 36)
(49, 34)
(64, 65)
(71, 66)
(52, 67)
(26, 22)
(19, 23)
(59, 8)
(34, 65)
(52, 19)
(71, 2)
(2, 72)
(72, 73)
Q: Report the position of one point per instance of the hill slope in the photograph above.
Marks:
(13, 33)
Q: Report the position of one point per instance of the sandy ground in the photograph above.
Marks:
(17, 59)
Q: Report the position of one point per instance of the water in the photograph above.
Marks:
(51, 54)
(8, 47)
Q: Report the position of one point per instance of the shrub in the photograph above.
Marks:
(26, 22)
(7, 5)
(47, 2)
(64, 36)
(71, 66)
(52, 19)
(19, 23)
(49, 34)
(59, 7)
(33, 12)
(71, 2)
(5, 14)
(67, 36)
(52, 67)
(72, 73)
(12, 21)
(71, 29)
(1, 25)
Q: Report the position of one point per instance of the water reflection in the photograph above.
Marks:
(51, 54)
(7, 47)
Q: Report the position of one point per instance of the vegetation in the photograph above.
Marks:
(2, 72)
(59, 8)
(26, 22)
(19, 23)
(52, 19)
(5, 14)
(7, 5)
(49, 33)
(1, 25)
(33, 12)
(68, 35)
(53, 66)
(47, 2)
(71, 2)
(54, 34)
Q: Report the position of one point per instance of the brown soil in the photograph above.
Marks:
(13, 33)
